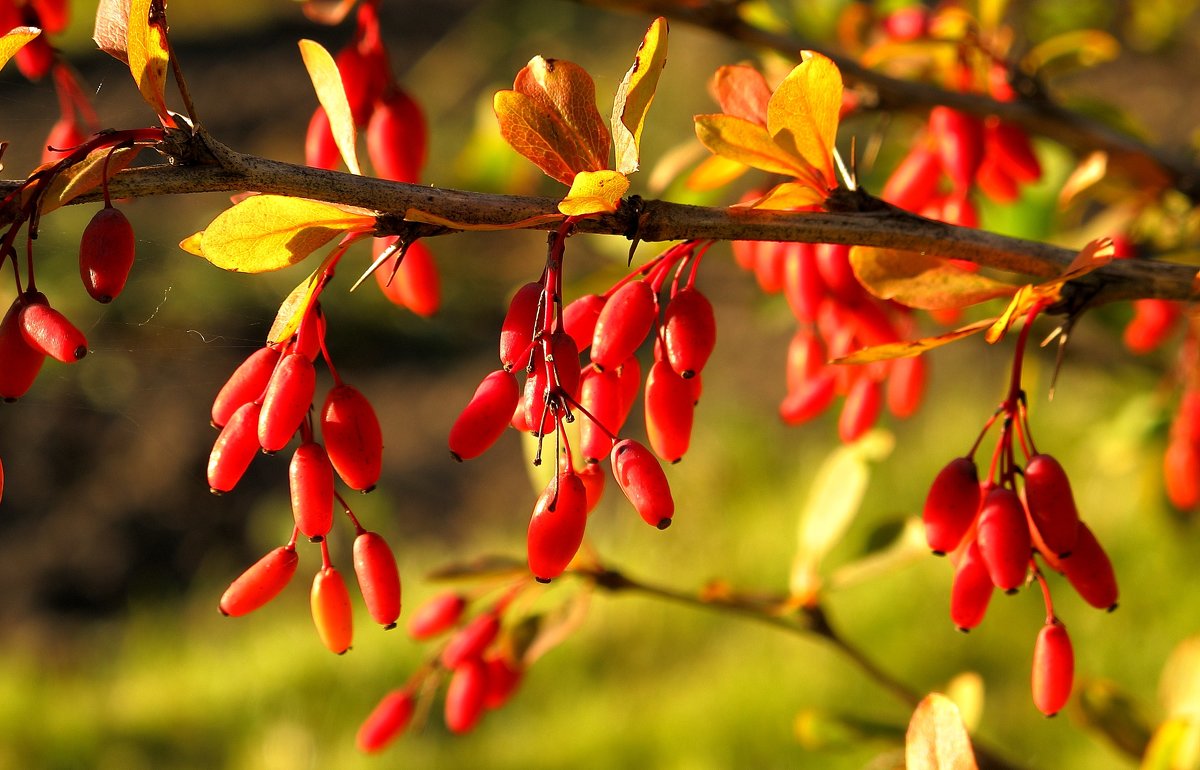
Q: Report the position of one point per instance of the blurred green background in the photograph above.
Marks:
(113, 554)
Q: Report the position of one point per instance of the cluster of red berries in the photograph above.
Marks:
(544, 340)
(996, 530)
(397, 146)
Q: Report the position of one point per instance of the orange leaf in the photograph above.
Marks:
(922, 281)
(147, 53)
(789, 196)
(330, 12)
(937, 738)
(713, 173)
(910, 348)
(802, 116)
(13, 40)
(86, 175)
(594, 192)
(635, 95)
(331, 92)
(538, 135)
(1022, 302)
(270, 232)
(748, 143)
(741, 91)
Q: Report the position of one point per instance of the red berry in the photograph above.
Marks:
(971, 591)
(833, 263)
(905, 386)
(396, 137)
(235, 447)
(288, 398)
(556, 528)
(516, 333)
(805, 358)
(600, 395)
(378, 578)
(1152, 323)
(579, 319)
(1090, 572)
(1050, 503)
(52, 15)
(246, 384)
(261, 583)
(1181, 472)
(629, 377)
(320, 148)
(436, 615)
(332, 612)
(362, 80)
(809, 398)
(465, 695)
(1053, 668)
(415, 284)
(1004, 540)
(670, 410)
(914, 182)
(643, 482)
(485, 416)
(353, 438)
(861, 409)
(951, 505)
(471, 640)
(623, 324)
(49, 331)
(1008, 146)
(310, 477)
(689, 332)
(503, 677)
(20, 362)
(106, 254)
(959, 143)
(35, 59)
(770, 260)
(592, 477)
(907, 23)
(803, 286)
(387, 721)
(994, 180)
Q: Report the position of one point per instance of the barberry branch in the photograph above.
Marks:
(202, 164)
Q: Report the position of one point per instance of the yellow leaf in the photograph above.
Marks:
(331, 92)
(748, 143)
(147, 53)
(802, 115)
(86, 175)
(1077, 48)
(922, 281)
(1021, 303)
(594, 192)
(937, 738)
(292, 309)
(270, 232)
(192, 244)
(713, 173)
(789, 196)
(635, 95)
(13, 41)
(1175, 745)
(909, 348)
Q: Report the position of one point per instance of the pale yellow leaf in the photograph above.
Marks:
(147, 53)
(193, 244)
(270, 232)
(14, 40)
(714, 172)
(909, 348)
(748, 143)
(635, 95)
(802, 115)
(1174, 746)
(789, 196)
(331, 92)
(594, 192)
(936, 738)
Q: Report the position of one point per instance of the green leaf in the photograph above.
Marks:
(1175, 746)
(937, 738)
(635, 95)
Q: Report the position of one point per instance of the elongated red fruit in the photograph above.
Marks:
(415, 284)
(556, 528)
(593, 477)
(288, 397)
(387, 721)
(331, 610)
(1008, 145)
(20, 362)
(803, 286)
(861, 409)
(465, 694)
(438, 614)
(642, 480)
(310, 480)
(247, 383)
(1153, 322)
(808, 399)
(1051, 504)
(971, 591)
(397, 137)
(1053, 669)
(485, 416)
(914, 182)
(600, 395)
(959, 143)
(106, 254)
(52, 333)
(320, 148)
(234, 448)
(951, 505)
(516, 332)
(471, 640)
(1181, 472)
(1090, 572)
(670, 411)
(905, 386)
(378, 578)
(689, 332)
(503, 677)
(579, 319)
(805, 358)
(261, 583)
(833, 263)
(362, 80)
(623, 324)
(353, 437)
(1004, 539)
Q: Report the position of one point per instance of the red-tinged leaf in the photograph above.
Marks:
(111, 28)
(745, 142)
(742, 91)
(789, 196)
(802, 115)
(922, 281)
(146, 49)
(14, 40)
(635, 95)
(937, 738)
(1096, 254)
(912, 347)
(538, 135)
(565, 90)
(594, 192)
(713, 173)
(330, 12)
(331, 92)
(270, 232)
(1025, 298)
(86, 175)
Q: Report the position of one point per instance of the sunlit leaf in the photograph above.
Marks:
(295, 305)
(594, 192)
(270, 232)
(331, 92)
(1087, 173)
(1073, 49)
(747, 143)
(14, 40)
(146, 50)
(192, 244)
(788, 197)
(966, 690)
(937, 739)
(1022, 302)
(1175, 745)
(713, 173)
(907, 348)
(538, 135)
(635, 95)
(922, 281)
(802, 115)
(742, 91)
(85, 176)
(1179, 685)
